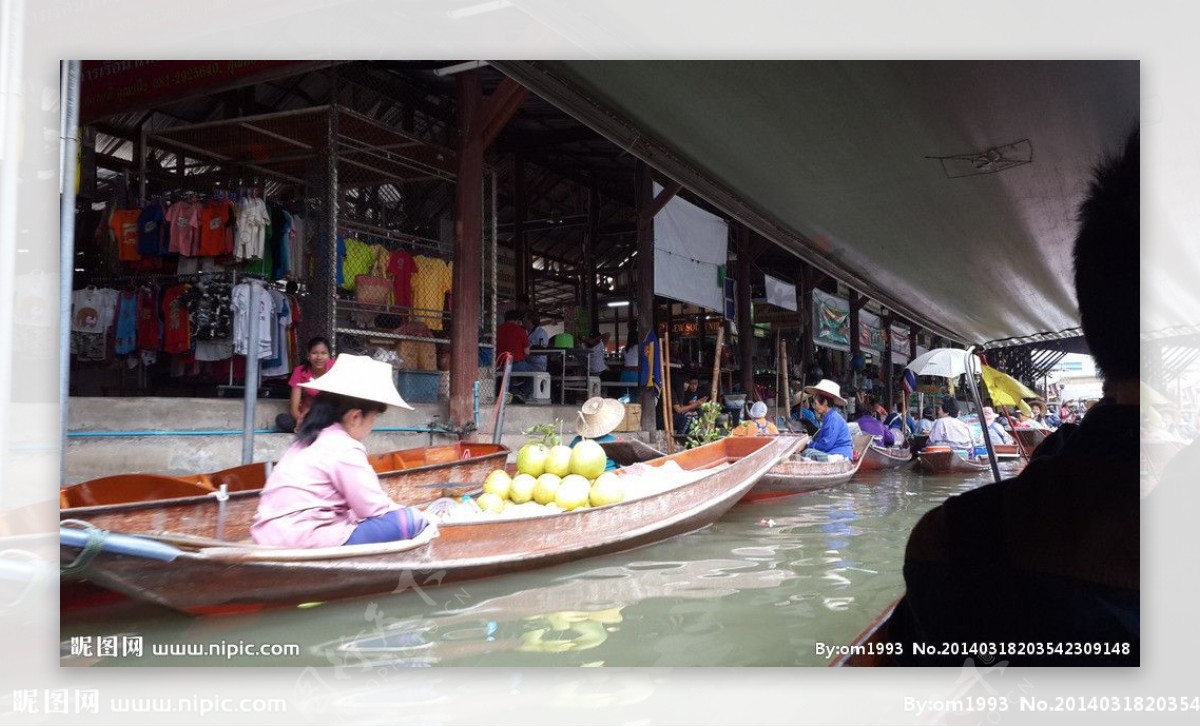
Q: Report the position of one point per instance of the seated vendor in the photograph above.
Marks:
(834, 435)
(757, 425)
(870, 423)
(324, 492)
(596, 420)
(950, 431)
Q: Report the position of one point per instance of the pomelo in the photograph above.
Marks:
(531, 459)
(606, 490)
(546, 487)
(491, 502)
(588, 459)
(498, 483)
(521, 489)
(572, 492)
(558, 460)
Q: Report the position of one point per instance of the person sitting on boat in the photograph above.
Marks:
(757, 425)
(596, 420)
(834, 435)
(686, 405)
(324, 492)
(1053, 554)
(900, 419)
(802, 412)
(926, 424)
(950, 431)
(870, 424)
(995, 431)
(318, 360)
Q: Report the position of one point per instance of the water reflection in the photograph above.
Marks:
(759, 587)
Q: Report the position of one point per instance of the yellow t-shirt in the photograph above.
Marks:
(433, 279)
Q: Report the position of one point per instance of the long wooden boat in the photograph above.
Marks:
(867, 649)
(188, 572)
(942, 460)
(797, 475)
(885, 458)
(194, 504)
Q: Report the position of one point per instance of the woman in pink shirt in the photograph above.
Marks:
(323, 492)
(318, 360)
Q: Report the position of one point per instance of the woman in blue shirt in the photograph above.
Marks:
(834, 435)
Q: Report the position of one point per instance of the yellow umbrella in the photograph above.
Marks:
(1005, 390)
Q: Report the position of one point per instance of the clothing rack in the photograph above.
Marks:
(381, 236)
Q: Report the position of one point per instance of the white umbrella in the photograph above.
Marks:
(947, 362)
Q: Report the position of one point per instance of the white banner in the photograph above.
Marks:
(780, 293)
(870, 333)
(689, 246)
(900, 337)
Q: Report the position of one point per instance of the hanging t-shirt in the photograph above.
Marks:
(216, 219)
(124, 226)
(126, 322)
(359, 259)
(430, 284)
(149, 329)
(251, 229)
(177, 336)
(297, 241)
(184, 219)
(150, 230)
(94, 310)
(401, 268)
(277, 365)
(241, 321)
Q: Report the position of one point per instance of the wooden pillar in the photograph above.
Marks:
(643, 201)
(912, 342)
(806, 278)
(468, 255)
(745, 316)
(856, 304)
(888, 373)
(589, 258)
(478, 124)
(520, 212)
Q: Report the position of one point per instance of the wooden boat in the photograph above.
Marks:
(866, 648)
(797, 475)
(1030, 437)
(941, 460)
(198, 575)
(409, 476)
(885, 458)
(630, 451)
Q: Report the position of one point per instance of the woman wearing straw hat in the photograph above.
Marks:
(757, 425)
(834, 435)
(323, 492)
(596, 420)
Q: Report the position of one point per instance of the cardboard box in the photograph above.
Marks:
(633, 419)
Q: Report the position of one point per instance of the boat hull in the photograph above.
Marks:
(245, 578)
(797, 475)
(944, 461)
(885, 458)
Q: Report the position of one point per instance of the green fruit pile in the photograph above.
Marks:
(558, 477)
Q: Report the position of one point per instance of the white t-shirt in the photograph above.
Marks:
(251, 229)
(241, 320)
(596, 363)
(633, 357)
(93, 310)
(951, 432)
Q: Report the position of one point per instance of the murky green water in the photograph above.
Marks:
(759, 588)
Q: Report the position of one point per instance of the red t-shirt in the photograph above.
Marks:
(401, 267)
(512, 338)
(124, 225)
(216, 221)
(176, 334)
(149, 332)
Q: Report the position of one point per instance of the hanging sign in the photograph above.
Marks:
(831, 321)
(900, 336)
(870, 333)
(780, 293)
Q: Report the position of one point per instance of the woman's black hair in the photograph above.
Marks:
(328, 408)
(823, 399)
(314, 341)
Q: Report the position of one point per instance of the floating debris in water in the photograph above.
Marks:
(767, 522)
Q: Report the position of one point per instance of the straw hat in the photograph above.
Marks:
(798, 397)
(828, 388)
(599, 416)
(361, 377)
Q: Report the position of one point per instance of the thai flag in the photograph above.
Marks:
(910, 381)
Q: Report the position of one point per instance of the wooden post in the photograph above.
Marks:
(644, 198)
(716, 378)
(589, 259)
(787, 388)
(520, 211)
(807, 280)
(886, 367)
(745, 319)
(668, 410)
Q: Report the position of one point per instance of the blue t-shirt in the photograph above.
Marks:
(834, 436)
(126, 323)
(151, 240)
(608, 463)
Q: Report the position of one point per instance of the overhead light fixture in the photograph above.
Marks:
(618, 303)
(459, 68)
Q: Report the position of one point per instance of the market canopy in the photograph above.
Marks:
(946, 190)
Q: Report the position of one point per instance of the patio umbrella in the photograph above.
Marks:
(946, 362)
(1004, 389)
